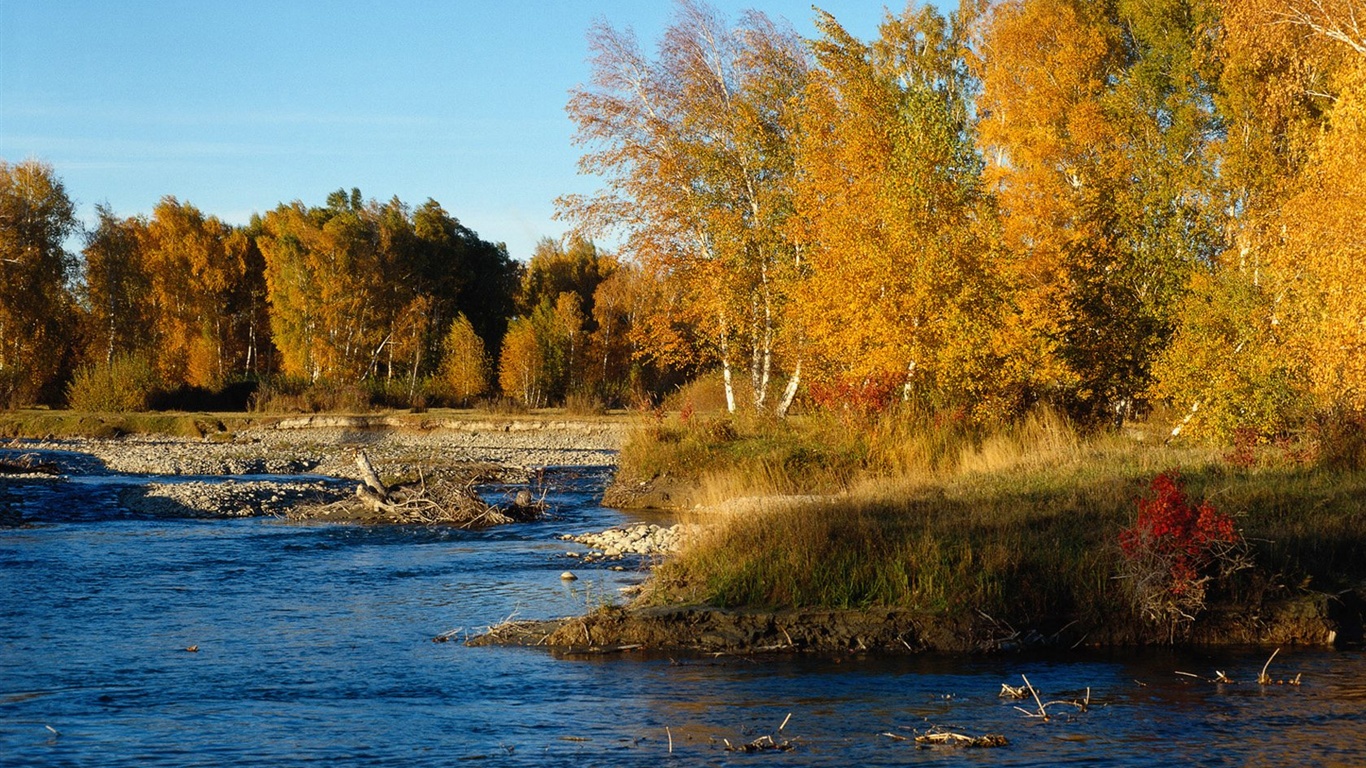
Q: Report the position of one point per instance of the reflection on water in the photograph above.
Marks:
(315, 646)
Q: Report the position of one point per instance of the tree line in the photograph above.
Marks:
(1100, 204)
(403, 305)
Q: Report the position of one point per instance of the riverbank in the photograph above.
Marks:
(905, 535)
(802, 538)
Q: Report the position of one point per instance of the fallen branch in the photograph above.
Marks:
(945, 738)
(764, 743)
(1042, 713)
(1008, 691)
(1264, 678)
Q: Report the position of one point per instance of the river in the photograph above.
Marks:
(315, 647)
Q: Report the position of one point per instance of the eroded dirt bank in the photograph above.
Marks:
(1311, 620)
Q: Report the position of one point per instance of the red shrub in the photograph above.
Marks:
(863, 397)
(1175, 548)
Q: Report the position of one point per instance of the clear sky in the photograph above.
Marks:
(239, 106)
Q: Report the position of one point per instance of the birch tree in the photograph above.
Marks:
(115, 289)
(891, 212)
(36, 216)
(1273, 331)
(694, 149)
(1098, 127)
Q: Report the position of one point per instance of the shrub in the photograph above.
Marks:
(1175, 550)
(584, 404)
(500, 406)
(857, 397)
(1341, 439)
(287, 395)
(706, 393)
(126, 383)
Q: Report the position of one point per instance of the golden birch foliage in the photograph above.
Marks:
(1098, 127)
(1047, 143)
(611, 350)
(407, 340)
(195, 268)
(115, 289)
(465, 367)
(1276, 90)
(1231, 366)
(890, 211)
(35, 309)
(294, 286)
(322, 274)
(1324, 241)
(693, 148)
(1274, 331)
(522, 364)
(363, 289)
(569, 324)
(1303, 67)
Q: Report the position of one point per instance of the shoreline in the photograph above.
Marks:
(1310, 620)
(297, 451)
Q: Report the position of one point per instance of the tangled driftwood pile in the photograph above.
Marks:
(435, 501)
(28, 464)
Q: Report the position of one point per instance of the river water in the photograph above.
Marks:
(315, 647)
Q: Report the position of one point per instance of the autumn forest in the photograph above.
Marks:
(1105, 206)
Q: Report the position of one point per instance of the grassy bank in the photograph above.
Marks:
(40, 424)
(1018, 527)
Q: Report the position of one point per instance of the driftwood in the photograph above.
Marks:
(763, 743)
(28, 464)
(437, 502)
(945, 738)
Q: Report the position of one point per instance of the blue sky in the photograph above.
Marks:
(238, 106)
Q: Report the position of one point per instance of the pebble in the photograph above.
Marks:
(567, 576)
(229, 498)
(638, 539)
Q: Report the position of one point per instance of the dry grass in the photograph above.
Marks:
(63, 424)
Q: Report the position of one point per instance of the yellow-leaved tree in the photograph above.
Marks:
(465, 366)
(522, 365)
(199, 276)
(35, 309)
(1272, 332)
(894, 298)
(1097, 123)
(1322, 245)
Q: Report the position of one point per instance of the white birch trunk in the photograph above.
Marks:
(766, 356)
(725, 366)
(790, 392)
(755, 358)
